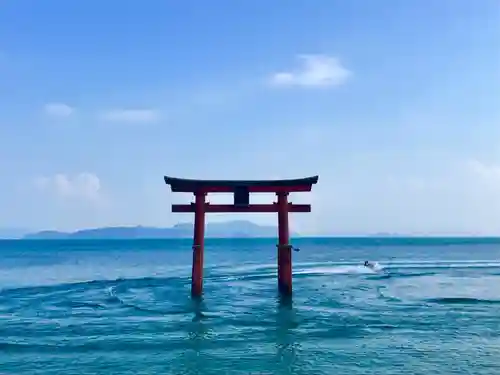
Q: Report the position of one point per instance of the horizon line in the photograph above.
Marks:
(340, 237)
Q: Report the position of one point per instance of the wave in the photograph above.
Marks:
(462, 301)
(401, 275)
(252, 271)
(64, 287)
(382, 264)
(115, 299)
(441, 265)
(331, 270)
(101, 345)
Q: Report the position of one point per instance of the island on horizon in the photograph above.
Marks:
(227, 229)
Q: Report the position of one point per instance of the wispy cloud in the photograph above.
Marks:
(58, 109)
(131, 115)
(84, 186)
(314, 71)
(483, 170)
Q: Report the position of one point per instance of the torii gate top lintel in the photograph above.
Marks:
(184, 185)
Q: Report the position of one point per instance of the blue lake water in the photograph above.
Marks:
(123, 307)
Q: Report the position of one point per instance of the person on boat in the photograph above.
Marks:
(369, 265)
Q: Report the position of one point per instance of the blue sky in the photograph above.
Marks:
(395, 104)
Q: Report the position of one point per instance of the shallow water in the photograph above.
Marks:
(123, 307)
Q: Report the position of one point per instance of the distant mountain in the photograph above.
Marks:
(235, 229)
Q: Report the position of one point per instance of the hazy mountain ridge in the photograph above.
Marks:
(182, 230)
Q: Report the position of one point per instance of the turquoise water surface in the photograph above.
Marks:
(123, 307)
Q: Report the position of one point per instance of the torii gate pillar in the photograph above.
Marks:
(284, 247)
(198, 245)
(241, 191)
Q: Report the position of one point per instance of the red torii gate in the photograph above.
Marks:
(241, 190)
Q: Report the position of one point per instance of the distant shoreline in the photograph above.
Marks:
(233, 230)
(228, 229)
(332, 238)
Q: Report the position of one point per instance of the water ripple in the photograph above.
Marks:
(342, 318)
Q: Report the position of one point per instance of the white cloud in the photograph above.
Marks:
(489, 172)
(86, 186)
(131, 115)
(58, 110)
(315, 71)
